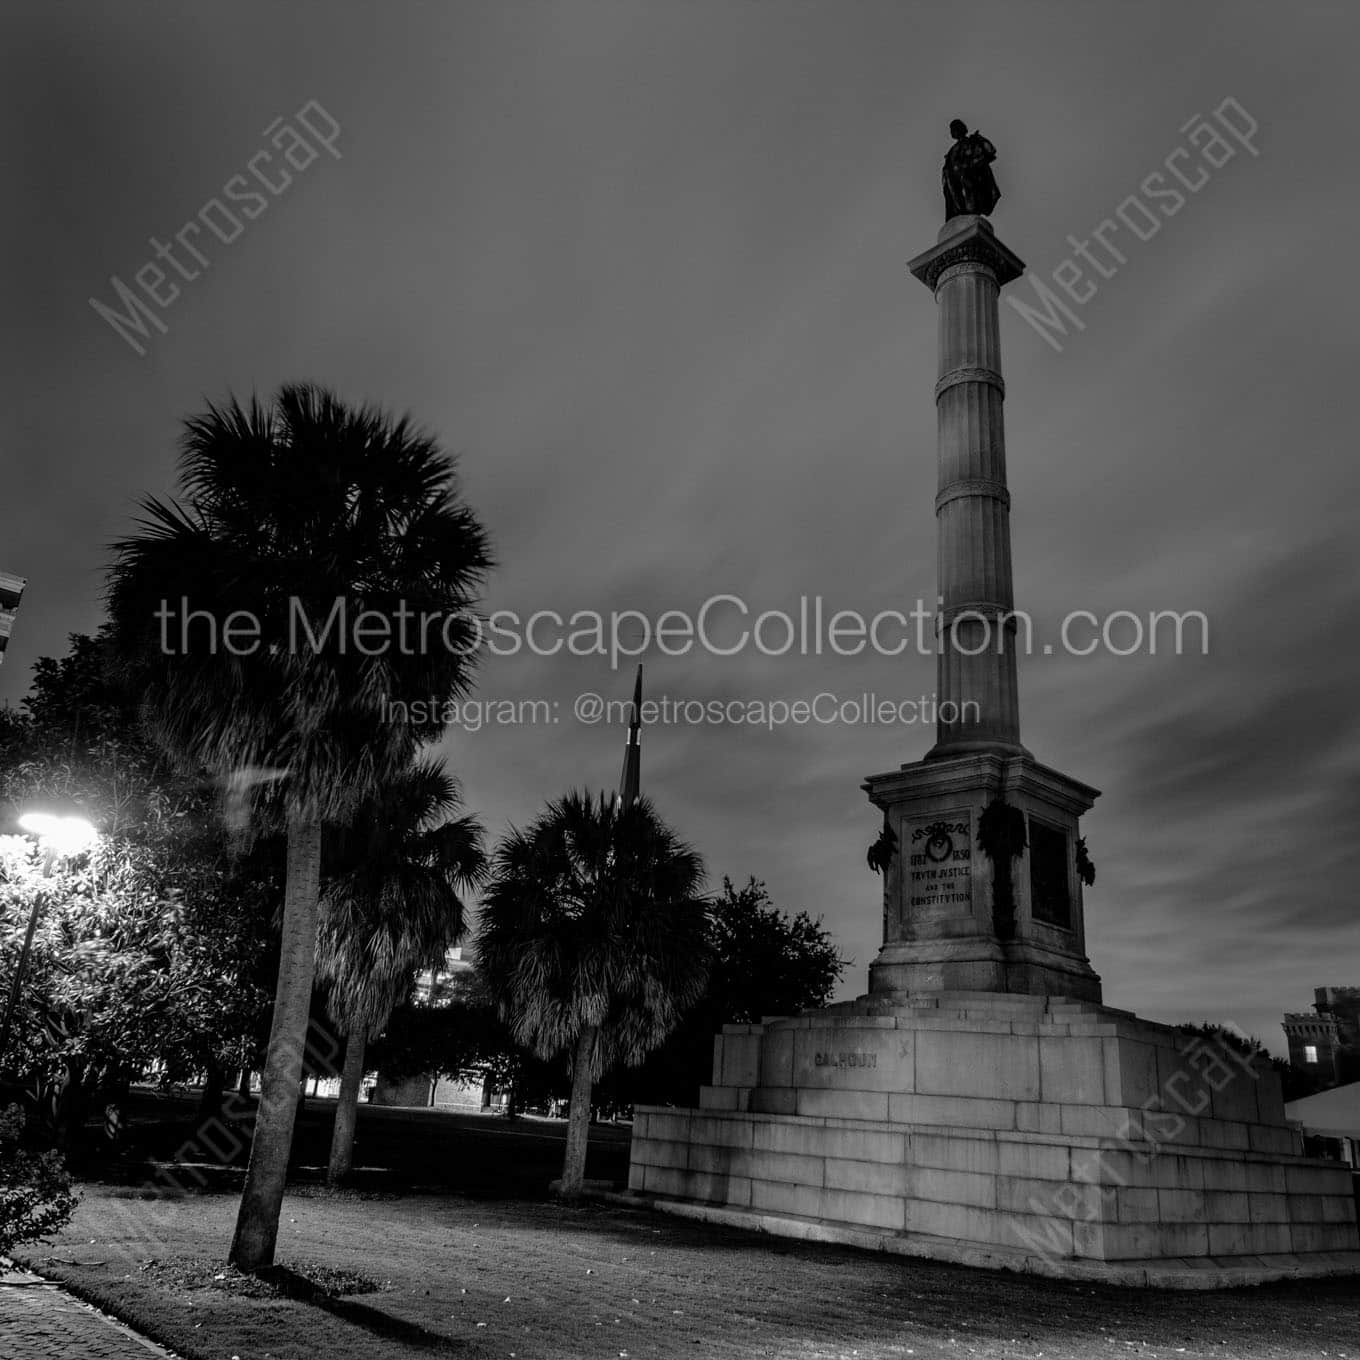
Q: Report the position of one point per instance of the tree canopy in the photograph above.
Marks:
(593, 941)
(153, 947)
(765, 962)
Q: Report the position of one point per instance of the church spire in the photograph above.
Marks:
(631, 778)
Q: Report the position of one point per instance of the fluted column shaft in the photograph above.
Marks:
(976, 678)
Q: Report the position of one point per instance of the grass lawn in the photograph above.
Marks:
(454, 1275)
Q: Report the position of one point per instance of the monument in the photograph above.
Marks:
(979, 1103)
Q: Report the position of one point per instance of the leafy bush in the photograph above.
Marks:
(35, 1187)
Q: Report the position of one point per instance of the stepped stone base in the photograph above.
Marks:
(1047, 1135)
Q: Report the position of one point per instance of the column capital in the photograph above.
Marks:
(973, 241)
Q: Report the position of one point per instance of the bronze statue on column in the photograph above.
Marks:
(969, 185)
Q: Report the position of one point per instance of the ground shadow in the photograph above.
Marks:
(373, 1320)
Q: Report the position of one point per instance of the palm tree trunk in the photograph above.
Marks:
(347, 1109)
(257, 1221)
(578, 1117)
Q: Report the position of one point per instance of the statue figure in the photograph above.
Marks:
(969, 185)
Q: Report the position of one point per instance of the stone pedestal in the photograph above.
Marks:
(941, 930)
(1050, 1136)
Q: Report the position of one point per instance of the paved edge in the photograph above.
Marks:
(95, 1301)
(1165, 1273)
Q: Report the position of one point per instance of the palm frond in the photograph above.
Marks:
(394, 901)
(594, 917)
(289, 508)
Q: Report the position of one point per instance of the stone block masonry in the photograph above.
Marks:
(1050, 1135)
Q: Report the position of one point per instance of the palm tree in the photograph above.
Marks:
(247, 616)
(392, 907)
(593, 939)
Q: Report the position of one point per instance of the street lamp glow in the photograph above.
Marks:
(59, 838)
(64, 835)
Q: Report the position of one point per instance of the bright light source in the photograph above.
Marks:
(39, 823)
(63, 835)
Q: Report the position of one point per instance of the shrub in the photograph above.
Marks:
(35, 1187)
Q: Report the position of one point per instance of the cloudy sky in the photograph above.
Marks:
(640, 264)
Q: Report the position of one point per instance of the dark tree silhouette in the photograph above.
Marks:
(593, 941)
(393, 905)
(299, 514)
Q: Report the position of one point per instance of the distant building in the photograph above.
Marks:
(428, 1091)
(438, 1093)
(1325, 1042)
(436, 981)
(1331, 1123)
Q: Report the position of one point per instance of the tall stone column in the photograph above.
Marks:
(952, 918)
(976, 679)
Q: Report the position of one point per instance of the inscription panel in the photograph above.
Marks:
(853, 1058)
(939, 864)
(830, 1058)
